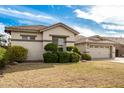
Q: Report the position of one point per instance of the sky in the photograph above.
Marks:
(89, 20)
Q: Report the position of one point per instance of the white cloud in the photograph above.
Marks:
(115, 27)
(26, 22)
(40, 17)
(103, 14)
(84, 31)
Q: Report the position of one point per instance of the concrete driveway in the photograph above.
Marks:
(119, 59)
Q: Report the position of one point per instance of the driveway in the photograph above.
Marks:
(119, 59)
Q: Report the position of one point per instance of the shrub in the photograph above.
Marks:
(63, 57)
(74, 49)
(69, 48)
(51, 47)
(50, 57)
(17, 53)
(60, 49)
(86, 57)
(74, 57)
(2, 57)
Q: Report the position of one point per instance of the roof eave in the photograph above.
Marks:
(61, 24)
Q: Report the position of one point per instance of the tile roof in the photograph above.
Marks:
(94, 39)
(39, 28)
(33, 27)
(117, 40)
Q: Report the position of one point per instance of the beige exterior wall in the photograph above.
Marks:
(113, 51)
(17, 35)
(35, 49)
(97, 53)
(82, 47)
(58, 31)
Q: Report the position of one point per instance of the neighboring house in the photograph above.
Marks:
(119, 41)
(96, 46)
(34, 38)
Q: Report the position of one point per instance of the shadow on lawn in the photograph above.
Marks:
(31, 66)
(26, 66)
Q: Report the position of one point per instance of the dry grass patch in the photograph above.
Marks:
(85, 74)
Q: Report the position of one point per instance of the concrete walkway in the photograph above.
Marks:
(119, 59)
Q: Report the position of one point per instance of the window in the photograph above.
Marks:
(24, 37)
(28, 37)
(60, 41)
(32, 37)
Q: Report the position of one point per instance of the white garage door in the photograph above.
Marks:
(99, 51)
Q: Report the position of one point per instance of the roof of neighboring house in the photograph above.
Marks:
(117, 40)
(38, 28)
(94, 39)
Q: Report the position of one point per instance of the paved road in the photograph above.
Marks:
(119, 59)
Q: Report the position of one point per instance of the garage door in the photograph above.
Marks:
(99, 51)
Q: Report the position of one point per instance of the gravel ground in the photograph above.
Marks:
(83, 74)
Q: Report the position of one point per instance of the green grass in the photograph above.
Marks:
(83, 74)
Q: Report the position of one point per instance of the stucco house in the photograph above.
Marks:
(119, 45)
(98, 47)
(34, 38)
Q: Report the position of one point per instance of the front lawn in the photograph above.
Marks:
(83, 74)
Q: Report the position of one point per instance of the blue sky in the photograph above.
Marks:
(88, 20)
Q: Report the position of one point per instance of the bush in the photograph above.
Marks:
(60, 49)
(74, 57)
(74, 49)
(51, 47)
(63, 57)
(69, 48)
(2, 57)
(86, 57)
(17, 53)
(50, 57)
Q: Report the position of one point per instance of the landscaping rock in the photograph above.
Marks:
(83, 60)
(14, 63)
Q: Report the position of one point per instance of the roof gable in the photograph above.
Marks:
(62, 25)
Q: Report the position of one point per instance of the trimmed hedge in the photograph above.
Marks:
(61, 57)
(74, 57)
(64, 57)
(51, 47)
(73, 49)
(54, 56)
(50, 57)
(69, 48)
(2, 57)
(17, 53)
(86, 57)
(76, 50)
